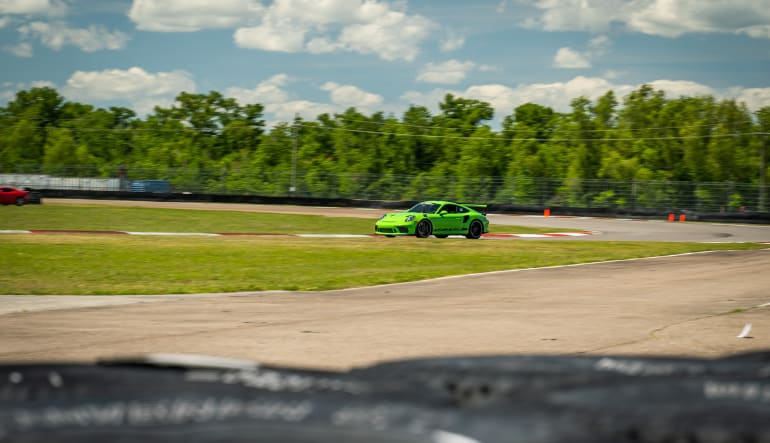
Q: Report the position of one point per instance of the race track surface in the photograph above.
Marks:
(687, 305)
(601, 228)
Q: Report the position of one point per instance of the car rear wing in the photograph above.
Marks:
(480, 208)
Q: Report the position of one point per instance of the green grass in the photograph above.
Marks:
(116, 218)
(106, 264)
(113, 264)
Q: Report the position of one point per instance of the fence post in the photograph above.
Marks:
(762, 175)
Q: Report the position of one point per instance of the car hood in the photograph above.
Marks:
(398, 216)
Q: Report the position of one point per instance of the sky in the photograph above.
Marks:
(307, 57)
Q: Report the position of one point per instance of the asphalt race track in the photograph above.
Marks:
(644, 230)
(694, 304)
(601, 228)
(688, 305)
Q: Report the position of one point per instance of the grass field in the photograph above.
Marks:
(108, 264)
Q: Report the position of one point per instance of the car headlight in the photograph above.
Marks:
(409, 218)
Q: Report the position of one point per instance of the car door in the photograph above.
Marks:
(6, 196)
(449, 221)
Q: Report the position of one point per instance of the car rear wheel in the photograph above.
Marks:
(475, 230)
(20, 201)
(424, 229)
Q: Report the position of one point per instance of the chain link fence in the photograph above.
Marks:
(723, 197)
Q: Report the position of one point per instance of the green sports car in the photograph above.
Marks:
(438, 218)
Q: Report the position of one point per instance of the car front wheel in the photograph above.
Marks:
(423, 229)
(475, 230)
(19, 201)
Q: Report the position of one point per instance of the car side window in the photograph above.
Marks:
(449, 208)
(462, 210)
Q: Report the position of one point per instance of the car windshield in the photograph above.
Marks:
(427, 208)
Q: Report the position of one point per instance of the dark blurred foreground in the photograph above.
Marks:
(530, 398)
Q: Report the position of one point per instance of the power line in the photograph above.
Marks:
(431, 136)
(681, 137)
(397, 123)
(554, 131)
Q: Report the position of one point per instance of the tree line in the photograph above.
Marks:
(215, 143)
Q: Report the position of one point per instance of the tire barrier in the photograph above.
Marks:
(530, 398)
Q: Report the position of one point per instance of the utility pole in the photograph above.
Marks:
(293, 186)
(763, 174)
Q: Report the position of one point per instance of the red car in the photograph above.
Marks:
(13, 196)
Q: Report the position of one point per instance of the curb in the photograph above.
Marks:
(231, 234)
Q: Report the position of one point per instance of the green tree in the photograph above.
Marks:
(25, 122)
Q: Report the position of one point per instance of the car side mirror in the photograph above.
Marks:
(443, 213)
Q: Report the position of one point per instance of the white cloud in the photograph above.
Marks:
(755, 98)
(141, 89)
(612, 74)
(351, 96)
(449, 72)
(329, 11)
(8, 90)
(280, 106)
(558, 95)
(22, 49)
(280, 36)
(452, 42)
(285, 111)
(360, 26)
(671, 19)
(316, 26)
(667, 18)
(571, 59)
(676, 88)
(429, 99)
(498, 96)
(598, 45)
(322, 45)
(33, 7)
(6, 96)
(57, 35)
(579, 15)
(268, 91)
(759, 31)
(391, 36)
(192, 15)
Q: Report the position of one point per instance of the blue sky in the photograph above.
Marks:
(312, 56)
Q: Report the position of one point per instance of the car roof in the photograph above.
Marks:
(444, 202)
